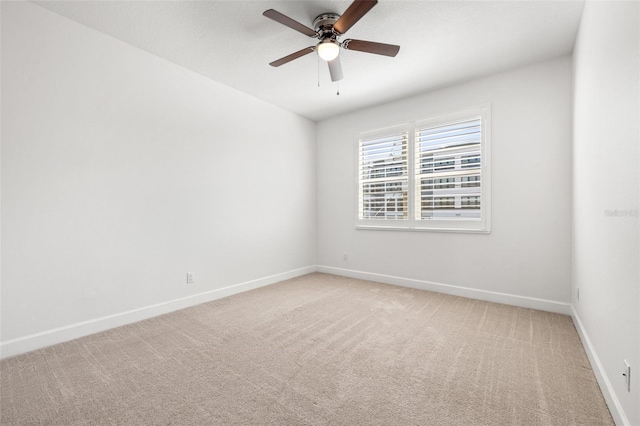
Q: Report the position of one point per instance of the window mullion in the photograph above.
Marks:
(411, 185)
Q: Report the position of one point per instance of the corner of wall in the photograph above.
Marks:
(613, 403)
(74, 331)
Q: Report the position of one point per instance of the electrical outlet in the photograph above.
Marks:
(189, 277)
(345, 256)
(627, 375)
(578, 293)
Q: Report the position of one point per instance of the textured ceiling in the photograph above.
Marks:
(442, 42)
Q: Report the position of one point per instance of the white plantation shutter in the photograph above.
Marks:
(448, 164)
(383, 177)
(432, 174)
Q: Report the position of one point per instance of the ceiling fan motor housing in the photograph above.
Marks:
(323, 24)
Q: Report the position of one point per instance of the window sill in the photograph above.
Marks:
(422, 229)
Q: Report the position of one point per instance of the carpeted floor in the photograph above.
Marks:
(315, 350)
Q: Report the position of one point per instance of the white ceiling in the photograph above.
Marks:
(442, 42)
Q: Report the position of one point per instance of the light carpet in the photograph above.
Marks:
(315, 350)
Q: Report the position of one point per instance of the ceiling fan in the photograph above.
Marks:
(328, 27)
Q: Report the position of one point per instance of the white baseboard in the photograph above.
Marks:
(615, 408)
(85, 328)
(489, 296)
(74, 331)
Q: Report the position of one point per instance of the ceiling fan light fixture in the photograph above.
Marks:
(328, 49)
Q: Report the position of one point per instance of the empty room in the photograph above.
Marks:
(322, 212)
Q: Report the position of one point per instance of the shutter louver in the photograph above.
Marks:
(383, 177)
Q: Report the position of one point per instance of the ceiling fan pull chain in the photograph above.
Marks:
(318, 71)
(338, 92)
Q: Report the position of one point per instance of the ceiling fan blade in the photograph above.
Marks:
(335, 69)
(357, 10)
(293, 56)
(285, 20)
(371, 47)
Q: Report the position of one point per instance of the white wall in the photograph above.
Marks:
(122, 171)
(527, 254)
(606, 177)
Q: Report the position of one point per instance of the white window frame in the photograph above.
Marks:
(481, 225)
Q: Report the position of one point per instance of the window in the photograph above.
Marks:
(383, 176)
(427, 175)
